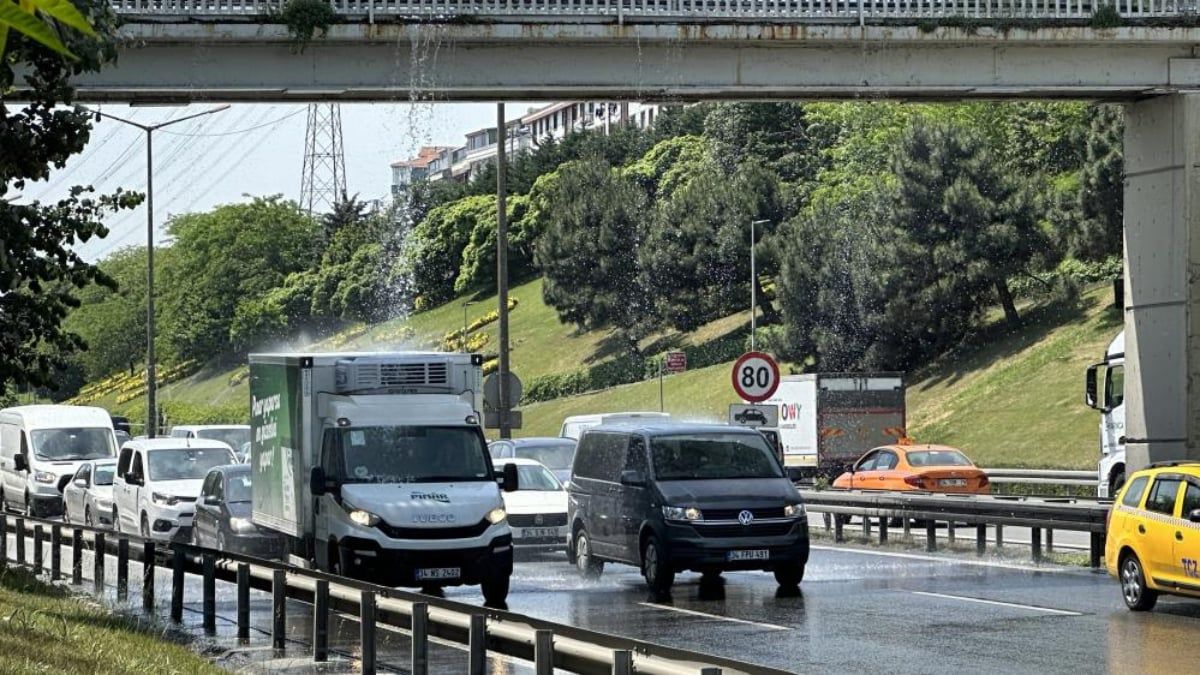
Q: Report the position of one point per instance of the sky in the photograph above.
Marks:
(248, 149)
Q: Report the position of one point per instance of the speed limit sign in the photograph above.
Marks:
(755, 376)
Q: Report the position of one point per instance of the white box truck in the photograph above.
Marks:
(1104, 390)
(374, 466)
(828, 420)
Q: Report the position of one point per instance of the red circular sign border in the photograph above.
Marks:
(738, 364)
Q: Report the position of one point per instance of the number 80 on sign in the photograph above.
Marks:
(755, 376)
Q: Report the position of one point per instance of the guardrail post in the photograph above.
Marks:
(98, 561)
(148, 576)
(867, 528)
(883, 530)
(243, 600)
(279, 609)
(950, 532)
(543, 652)
(38, 541)
(209, 592)
(622, 662)
(1096, 549)
(710, 671)
(839, 534)
(828, 520)
(55, 552)
(122, 569)
(3, 540)
(20, 528)
(907, 526)
(77, 557)
(177, 585)
(1049, 541)
(477, 644)
(980, 539)
(999, 537)
(1035, 542)
(321, 622)
(930, 535)
(420, 638)
(366, 623)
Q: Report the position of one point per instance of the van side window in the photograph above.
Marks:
(331, 457)
(207, 488)
(635, 459)
(601, 456)
(123, 463)
(1133, 493)
(136, 468)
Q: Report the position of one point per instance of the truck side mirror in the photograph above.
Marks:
(511, 482)
(1090, 389)
(19, 463)
(317, 483)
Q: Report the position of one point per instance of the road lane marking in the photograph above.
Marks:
(964, 598)
(952, 561)
(768, 626)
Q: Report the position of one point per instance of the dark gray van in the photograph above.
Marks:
(669, 497)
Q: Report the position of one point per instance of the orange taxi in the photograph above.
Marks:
(930, 468)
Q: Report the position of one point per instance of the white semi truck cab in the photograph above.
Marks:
(375, 467)
(1104, 390)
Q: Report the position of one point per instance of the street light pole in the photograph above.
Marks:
(754, 285)
(151, 363)
(502, 268)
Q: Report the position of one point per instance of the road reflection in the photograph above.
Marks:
(1161, 641)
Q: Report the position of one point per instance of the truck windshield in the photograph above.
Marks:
(713, 456)
(411, 454)
(73, 444)
(186, 463)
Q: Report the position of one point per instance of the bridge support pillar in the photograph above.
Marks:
(1162, 279)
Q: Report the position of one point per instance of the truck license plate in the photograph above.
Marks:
(429, 573)
(537, 532)
(953, 482)
(756, 554)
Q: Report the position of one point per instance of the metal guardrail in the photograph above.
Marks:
(981, 511)
(799, 11)
(1042, 477)
(547, 644)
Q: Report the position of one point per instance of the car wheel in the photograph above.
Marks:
(588, 566)
(1138, 596)
(789, 576)
(656, 567)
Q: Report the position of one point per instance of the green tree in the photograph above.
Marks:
(112, 320)
(1101, 205)
(589, 251)
(40, 274)
(435, 246)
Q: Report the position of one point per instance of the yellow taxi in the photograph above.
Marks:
(1153, 540)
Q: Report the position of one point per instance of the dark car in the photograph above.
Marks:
(222, 518)
(673, 497)
(553, 452)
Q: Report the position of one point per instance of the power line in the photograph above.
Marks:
(240, 131)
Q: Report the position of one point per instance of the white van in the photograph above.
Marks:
(575, 425)
(157, 484)
(40, 444)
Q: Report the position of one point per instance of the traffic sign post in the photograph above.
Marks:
(754, 415)
(755, 376)
(674, 362)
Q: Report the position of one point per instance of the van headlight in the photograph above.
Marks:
(359, 516)
(242, 524)
(44, 477)
(162, 499)
(497, 516)
(793, 511)
(682, 513)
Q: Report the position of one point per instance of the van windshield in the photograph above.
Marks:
(61, 445)
(234, 438)
(186, 463)
(411, 454)
(712, 456)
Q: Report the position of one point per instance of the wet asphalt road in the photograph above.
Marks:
(858, 611)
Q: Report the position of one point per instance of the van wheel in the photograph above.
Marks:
(588, 566)
(656, 567)
(789, 575)
(1138, 596)
(495, 590)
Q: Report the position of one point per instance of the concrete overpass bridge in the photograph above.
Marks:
(388, 50)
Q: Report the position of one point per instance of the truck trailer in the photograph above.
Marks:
(828, 420)
(374, 466)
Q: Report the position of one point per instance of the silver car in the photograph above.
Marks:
(88, 495)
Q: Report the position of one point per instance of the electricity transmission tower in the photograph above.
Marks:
(323, 182)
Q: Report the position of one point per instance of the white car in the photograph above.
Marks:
(236, 436)
(537, 509)
(158, 481)
(88, 495)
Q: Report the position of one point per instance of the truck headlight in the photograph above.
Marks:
(497, 516)
(793, 511)
(359, 516)
(44, 477)
(242, 524)
(682, 513)
(162, 499)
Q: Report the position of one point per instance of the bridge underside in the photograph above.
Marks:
(490, 62)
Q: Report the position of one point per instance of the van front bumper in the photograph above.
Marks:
(366, 560)
(689, 550)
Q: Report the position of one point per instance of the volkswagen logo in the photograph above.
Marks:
(539, 520)
(745, 517)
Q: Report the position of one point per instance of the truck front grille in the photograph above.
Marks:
(462, 532)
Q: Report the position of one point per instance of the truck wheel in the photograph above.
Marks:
(588, 566)
(1116, 483)
(495, 590)
(656, 566)
(789, 576)
(1138, 596)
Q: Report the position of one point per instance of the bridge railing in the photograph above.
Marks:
(799, 11)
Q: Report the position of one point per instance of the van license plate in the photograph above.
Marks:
(430, 573)
(953, 482)
(537, 532)
(756, 554)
